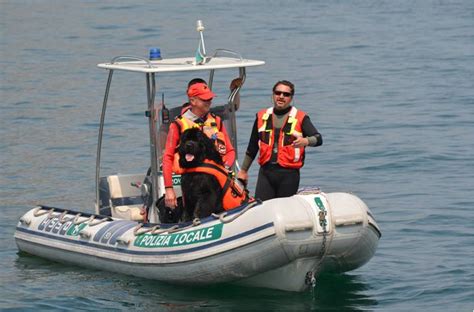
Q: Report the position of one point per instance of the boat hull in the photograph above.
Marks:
(273, 244)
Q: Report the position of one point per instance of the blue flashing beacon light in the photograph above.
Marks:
(155, 54)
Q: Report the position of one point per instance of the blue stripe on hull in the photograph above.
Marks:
(120, 231)
(111, 226)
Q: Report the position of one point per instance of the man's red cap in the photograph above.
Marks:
(201, 90)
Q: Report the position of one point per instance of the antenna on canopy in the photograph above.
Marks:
(200, 57)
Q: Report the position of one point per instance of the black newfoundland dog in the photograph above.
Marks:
(202, 193)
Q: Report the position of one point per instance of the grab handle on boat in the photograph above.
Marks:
(350, 220)
(131, 57)
(123, 241)
(296, 227)
(222, 216)
(25, 221)
(85, 234)
(216, 52)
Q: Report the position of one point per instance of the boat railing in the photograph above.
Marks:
(130, 57)
(216, 53)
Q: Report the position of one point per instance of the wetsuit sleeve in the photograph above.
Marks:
(230, 152)
(246, 163)
(168, 157)
(252, 148)
(310, 132)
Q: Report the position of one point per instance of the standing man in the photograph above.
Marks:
(198, 115)
(280, 135)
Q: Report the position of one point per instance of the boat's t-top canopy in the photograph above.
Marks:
(177, 64)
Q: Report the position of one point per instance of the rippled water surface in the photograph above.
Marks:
(389, 84)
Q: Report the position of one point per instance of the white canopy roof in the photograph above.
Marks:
(179, 64)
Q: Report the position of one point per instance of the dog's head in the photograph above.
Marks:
(195, 147)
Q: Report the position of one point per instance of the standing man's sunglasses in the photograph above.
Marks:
(285, 94)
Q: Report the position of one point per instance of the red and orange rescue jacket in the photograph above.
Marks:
(287, 156)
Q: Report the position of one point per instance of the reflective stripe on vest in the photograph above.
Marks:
(209, 127)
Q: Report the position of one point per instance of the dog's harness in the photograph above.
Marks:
(233, 195)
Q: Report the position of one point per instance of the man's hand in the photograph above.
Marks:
(237, 82)
(243, 175)
(170, 198)
(301, 142)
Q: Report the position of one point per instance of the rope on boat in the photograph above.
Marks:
(222, 216)
(139, 226)
(136, 230)
(50, 212)
(99, 221)
(309, 191)
(169, 230)
(176, 228)
(77, 222)
(62, 218)
(156, 230)
(36, 212)
(152, 230)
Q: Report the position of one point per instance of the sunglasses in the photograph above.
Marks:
(285, 94)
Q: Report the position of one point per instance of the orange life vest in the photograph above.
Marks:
(211, 127)
(233, 194)
(288, 156)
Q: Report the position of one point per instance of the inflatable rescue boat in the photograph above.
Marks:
(282, 243)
